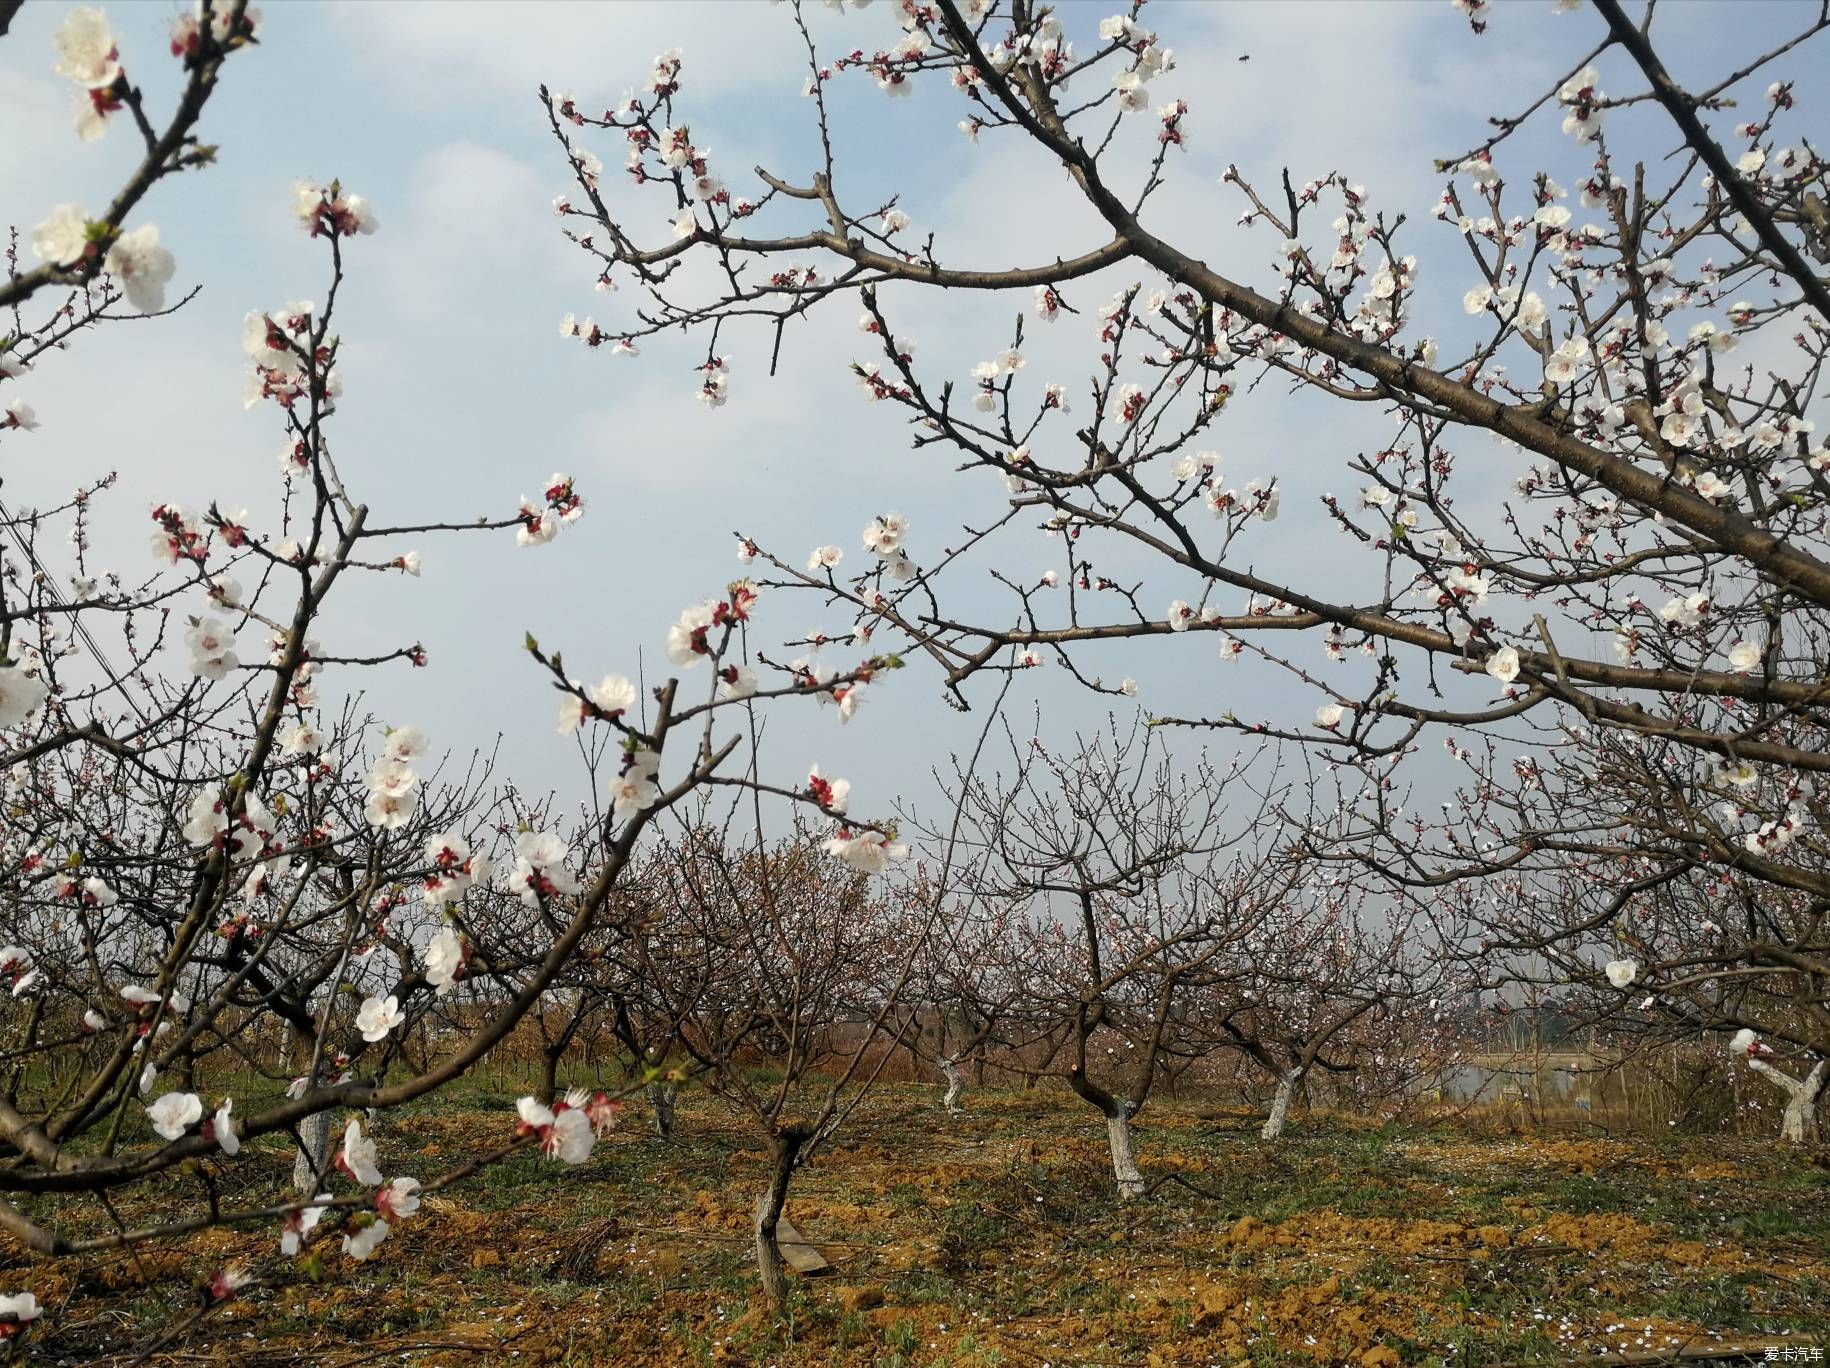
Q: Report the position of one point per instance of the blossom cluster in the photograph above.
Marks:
(456, 869)
(68, 239)
(288, 362)
(1150, 60)
(226, 29)
(689, 640)
(540, 871)
(560, 505)
(605, 701)
(88, 55)
(22, 693)
(393, 784)
(570, 1128)
(331, 211)
(358, 1160)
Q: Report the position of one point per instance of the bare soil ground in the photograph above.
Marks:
(994, 1238)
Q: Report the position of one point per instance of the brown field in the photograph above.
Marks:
(995, 1239)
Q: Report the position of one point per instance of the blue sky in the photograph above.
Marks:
(461, 395)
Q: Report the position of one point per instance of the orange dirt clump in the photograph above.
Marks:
(1633, 1240)
(1584, 1156)
(1593, 1233)
(1214, 1303)
(706, 1212)
(1370, 1235)
(1314, 1320)
(861, 1298)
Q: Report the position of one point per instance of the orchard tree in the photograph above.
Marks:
(642, 979)
(1326, 982)
(780, 949)
(1137, 893)
(761, 952)
(973, 983)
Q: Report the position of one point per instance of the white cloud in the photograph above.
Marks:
(472, 224)
(452, 53)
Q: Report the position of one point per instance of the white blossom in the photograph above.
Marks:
(377, 1016)
(175, 1113)
(141, 267)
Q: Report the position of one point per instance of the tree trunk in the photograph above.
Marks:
(1801, 1099)
(661, 1103)
(1280, 1105)
(956, 1085)
(1124, 1158)
(1801, 1109)
(308, 1166)
(785, 1149)
(549, 1075)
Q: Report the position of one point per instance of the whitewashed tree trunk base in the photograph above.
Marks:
(956, 1085)
(1124, 1157)
(309, 1164)
(1796, 1122)
(661, 1098)
(1280, 1107)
